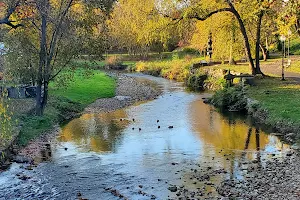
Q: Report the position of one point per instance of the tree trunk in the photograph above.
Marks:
(257, 44)
(246, 39)
(265, 52)
(298, 26)
(43, 60)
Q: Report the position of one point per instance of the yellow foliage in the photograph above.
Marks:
(140, 66)
(78, 8)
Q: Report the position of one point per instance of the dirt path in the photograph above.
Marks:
(275, 68)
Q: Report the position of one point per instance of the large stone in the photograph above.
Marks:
(172, 188)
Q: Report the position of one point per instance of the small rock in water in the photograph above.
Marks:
(24, 177)
(22, 159)
(171, 127)
(172, 188)
(158, 127)
(133, 128)
(157, 121)
(140, 129)
(133, 119)
(66, 148)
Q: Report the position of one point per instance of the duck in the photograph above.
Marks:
(79, 196)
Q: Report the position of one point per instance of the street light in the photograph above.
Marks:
(282, 39)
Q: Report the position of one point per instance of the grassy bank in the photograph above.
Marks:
(66, 102)
(271, 102)
(279, 98)
(176, 69)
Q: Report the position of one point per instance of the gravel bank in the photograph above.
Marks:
(129, 91)
(278, 179)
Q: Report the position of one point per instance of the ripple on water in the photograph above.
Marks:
(106, 157)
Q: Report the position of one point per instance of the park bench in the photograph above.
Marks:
(245, 78)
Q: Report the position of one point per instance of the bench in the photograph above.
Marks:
(248, 79)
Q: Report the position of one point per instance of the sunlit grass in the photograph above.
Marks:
(295, 67)
(86, 89)
(177, 69)
(240, 68)
(280, 98)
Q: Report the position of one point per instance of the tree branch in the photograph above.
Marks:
(200, 18)
(10, 11)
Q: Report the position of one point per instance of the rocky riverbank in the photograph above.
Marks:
(129, 91)
(279, 178)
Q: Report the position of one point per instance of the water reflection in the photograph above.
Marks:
(96, 132)
(231, 139)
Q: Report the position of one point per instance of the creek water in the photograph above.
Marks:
(108, 157)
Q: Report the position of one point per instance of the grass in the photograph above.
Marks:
(85, 89)
(241, 68)
(65, 103)
(176, 69)
(279, 98)
(295, 67)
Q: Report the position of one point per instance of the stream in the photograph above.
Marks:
(105, 156)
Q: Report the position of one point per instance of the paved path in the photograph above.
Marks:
(275, 69)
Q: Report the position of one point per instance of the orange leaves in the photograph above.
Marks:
(25, 12)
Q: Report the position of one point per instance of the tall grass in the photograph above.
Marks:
(177, 69)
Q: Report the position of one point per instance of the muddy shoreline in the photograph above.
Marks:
(129, 91)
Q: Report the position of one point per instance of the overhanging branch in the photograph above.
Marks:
(200, 18)
(10, 11)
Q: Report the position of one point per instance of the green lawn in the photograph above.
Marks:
(85, 89)
(66, 101)
(280, 98)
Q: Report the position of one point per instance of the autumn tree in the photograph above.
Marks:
(203, 10)
(138, 27)
(54, 31)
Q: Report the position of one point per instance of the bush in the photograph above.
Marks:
(232, 99)
(115, 63)
(182, 53)
(196, 82)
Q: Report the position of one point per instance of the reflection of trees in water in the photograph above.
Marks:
(223, 133)
(99, 132)
(230, 138)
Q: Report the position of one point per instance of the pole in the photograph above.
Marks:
(284, 49)
(288, 47)
(282, 64)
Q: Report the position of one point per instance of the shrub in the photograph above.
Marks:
(196, 82)
(114, 62)
(232, 99)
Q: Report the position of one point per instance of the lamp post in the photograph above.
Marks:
(282, 39)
